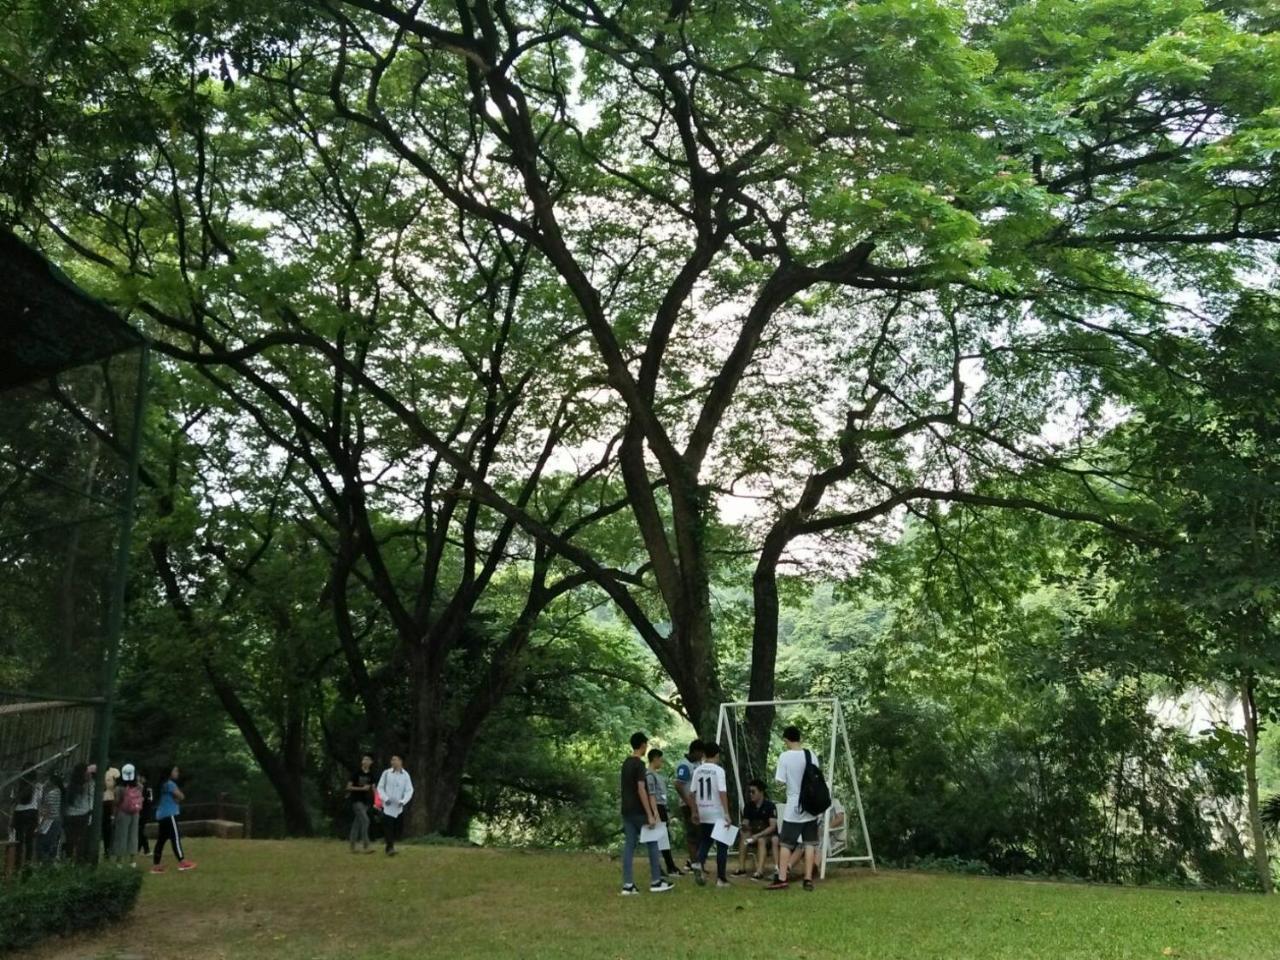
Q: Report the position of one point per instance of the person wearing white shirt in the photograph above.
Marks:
(711, 791)
(799, 827)
(396, 790)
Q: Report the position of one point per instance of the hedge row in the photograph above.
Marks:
(57, 900)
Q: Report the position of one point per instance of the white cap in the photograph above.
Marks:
(127, 772)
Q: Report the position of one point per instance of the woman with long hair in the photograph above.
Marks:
(167, 810)
(26, 814)
(49, 832)
(77, 811)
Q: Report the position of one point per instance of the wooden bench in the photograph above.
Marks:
(222, 819)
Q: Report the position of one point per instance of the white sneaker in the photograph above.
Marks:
(630, 891)
(723, 883)
(662, 886)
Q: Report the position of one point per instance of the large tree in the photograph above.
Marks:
(841, 258)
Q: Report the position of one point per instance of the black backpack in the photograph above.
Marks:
(815, 796)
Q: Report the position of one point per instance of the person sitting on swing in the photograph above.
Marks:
(759, 831)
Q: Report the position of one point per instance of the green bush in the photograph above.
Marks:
(54, 901)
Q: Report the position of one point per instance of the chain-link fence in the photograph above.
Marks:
(72, 377)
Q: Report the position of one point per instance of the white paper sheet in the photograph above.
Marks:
(654, 834)
(725, 833)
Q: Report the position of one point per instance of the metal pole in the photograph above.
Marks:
(857, 793)
(831, 772)
(776, 703)
(721, 727)
(115, 612)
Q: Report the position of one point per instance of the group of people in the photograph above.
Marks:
(388, 794)
(791, 841)
(53, 816)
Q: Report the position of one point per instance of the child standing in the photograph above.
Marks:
(711, 791)
(167, 810)
(124, 836)
(656, 783)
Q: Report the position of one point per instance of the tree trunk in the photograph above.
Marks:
(1261, 861)
(286, 778)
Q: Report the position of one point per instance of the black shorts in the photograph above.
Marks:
(799, 834)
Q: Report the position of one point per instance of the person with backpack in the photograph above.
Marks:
(807, 799)
(124, 835)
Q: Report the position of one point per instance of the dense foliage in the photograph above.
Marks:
(55, 901)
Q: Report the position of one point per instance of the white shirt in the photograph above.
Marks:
(36, 793)
(708, 783)
(791, 771)
(396, 790)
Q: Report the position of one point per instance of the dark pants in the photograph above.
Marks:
(24, 826)
(76, 831)
(168, 831)
(722, 851)
(666, 854)
(359, 824)
(692, 836)
(47, 843)
(108, 824)
(393, 830)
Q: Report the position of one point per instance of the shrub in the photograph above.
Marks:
(54, 901)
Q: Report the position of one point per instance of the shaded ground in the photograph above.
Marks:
(306, 900)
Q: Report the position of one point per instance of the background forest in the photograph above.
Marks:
(528, 372)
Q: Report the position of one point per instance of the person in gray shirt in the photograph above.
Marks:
(656, 782)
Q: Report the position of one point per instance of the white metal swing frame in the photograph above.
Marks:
(839, 729)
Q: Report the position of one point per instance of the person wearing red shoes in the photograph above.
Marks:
(168, 808)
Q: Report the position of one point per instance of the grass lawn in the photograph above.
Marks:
(312, 899)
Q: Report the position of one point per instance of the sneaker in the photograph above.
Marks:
(393, 853)
(722, 884)
(699, 877)
(630, 890)
(688, 866)
(660, 887)
(779, 885)
(808, 885)
(186, 865)
(157, 869)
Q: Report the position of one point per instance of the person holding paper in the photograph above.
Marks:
(657, 785)
(638, 811)
(710, 789)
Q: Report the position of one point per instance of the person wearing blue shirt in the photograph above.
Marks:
(685, 770)
(167, 810)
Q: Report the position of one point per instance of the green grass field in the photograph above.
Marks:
(302, 900)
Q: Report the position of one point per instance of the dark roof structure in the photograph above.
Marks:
(47, 323)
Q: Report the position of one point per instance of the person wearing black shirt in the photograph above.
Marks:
(638, 811)
(759, 831)
(360, 790)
